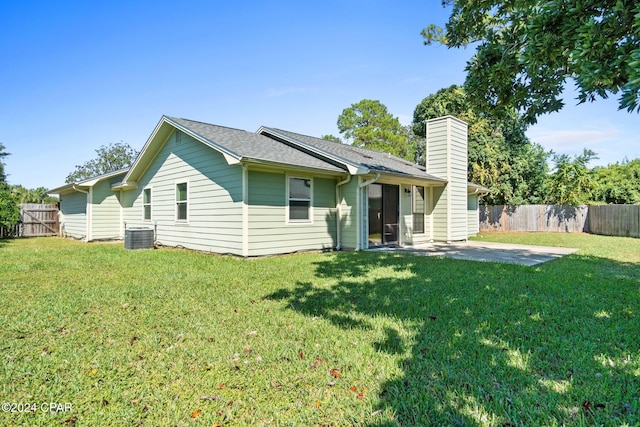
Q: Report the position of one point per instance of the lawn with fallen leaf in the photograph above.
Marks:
(176, 337)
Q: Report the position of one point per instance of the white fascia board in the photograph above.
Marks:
(86, 184)
(131, 185)
(61, 190)
(231, 160)
(357, 170)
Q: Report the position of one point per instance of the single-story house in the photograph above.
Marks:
(224, 190)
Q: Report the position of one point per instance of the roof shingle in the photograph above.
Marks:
(373, 160)
(252, 146)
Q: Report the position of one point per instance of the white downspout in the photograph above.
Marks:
(90, 215)
(245, 211)
(371, 181)
(360, 204)
(79, 190)
(87, 213)
(448, 189)
(121, 214)
(431, 214)
(339, 211)
(426, 145)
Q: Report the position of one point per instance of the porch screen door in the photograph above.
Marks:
(390, 214)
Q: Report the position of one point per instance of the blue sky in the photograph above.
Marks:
(78, 75)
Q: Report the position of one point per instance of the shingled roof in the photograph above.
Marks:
(251, 146)
(276, 147)
(374, 161)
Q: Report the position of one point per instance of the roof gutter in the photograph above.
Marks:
(479, 190)
(371, 181)
(79, 190)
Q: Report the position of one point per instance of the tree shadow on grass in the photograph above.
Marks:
(492, 344)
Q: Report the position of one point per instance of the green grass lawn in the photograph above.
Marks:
(174, 337)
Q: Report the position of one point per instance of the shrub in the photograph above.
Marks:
(9, 210)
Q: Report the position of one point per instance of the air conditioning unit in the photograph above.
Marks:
(138, 238)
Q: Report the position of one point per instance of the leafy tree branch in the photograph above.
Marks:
(527, 50)
(110, 158)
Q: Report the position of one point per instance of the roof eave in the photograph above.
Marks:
(431, 180)
(280, 166)
(477, 189)
(130, 185)
(85, 184)
(64, 189)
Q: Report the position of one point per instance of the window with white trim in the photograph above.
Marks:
(299, 199)
(146, 204)
(419, 209)
(181, 201)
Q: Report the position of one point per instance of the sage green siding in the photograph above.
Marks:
(437, 164)
(73, 221)
(473, 215)
(458, 180)
(406, 216)
(349, 214)
(214, 198)
(439, 214)
(447, 158)
(271, 233)
(105, 211)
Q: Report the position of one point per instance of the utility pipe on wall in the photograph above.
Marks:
(339, 211)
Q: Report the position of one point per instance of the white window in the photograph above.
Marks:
(146, 204)
(181, 201)
(299, 199)
(418, 209)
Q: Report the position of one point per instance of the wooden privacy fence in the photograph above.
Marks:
(553, 218)
(611, 220)
(35, 220)
(615, 220)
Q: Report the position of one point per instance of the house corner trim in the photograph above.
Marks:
(245, 211)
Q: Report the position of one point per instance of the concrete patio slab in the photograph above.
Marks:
(487, 252)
